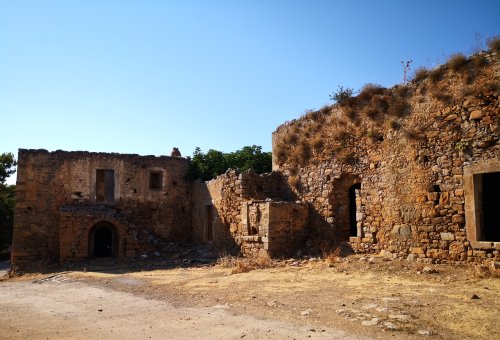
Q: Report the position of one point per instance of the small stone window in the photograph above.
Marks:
(155, 180)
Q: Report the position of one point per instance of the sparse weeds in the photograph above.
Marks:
(294, 181)
(330, 254)
(420, 74)
(494, 43)
(457, 62)
(226, 261)
(436, 75)
(247, 264)
(369, 90)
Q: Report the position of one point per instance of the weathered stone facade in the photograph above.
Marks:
(140, 202)
(404, 182)
(412, 172)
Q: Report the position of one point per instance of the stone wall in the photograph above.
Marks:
(57, 203)
(236, 199)
(407, 147)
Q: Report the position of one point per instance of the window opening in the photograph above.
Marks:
(105, 185)
(155, 180)
(490, 203)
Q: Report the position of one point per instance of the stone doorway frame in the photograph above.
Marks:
(472, 194)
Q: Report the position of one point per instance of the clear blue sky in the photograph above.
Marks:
(144, 76)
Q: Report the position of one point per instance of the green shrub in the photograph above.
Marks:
(342, 95)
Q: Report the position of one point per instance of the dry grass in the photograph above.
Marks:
(393, 124)
(369, 90)
(247, 264)
(436, 75)
(294, 181)
(420, 74)
(226, 261)
(479, 62)
(330, 255)
(457, 62)
(494, 43)
(318, 143)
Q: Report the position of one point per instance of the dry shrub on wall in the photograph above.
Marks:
(399, 107)
(304, 152)
(479, 62)
(371, 113)
(369, 90)
(317, 144)
(281, 152)
(294, 181)
(439, 95)
(375, 136)
(402, 91)
(347, 156)
(457, 62)
(490, 88)
(351, 115)
(494, 43)
(393, 124)
(436, 75)
(324, 111)
(420, 74)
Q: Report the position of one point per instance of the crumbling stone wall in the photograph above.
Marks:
(238, 199)
(276, 228)
(57, 204)
(408, 147)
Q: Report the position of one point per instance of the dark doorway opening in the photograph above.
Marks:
(103, 240)
(103, 243)
(353, 192)
(209, 230)
(490, 206)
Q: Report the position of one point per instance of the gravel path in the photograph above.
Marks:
(58, 308)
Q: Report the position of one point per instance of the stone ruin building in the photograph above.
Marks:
(410, 172)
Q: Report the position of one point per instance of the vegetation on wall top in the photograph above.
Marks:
(206, 166)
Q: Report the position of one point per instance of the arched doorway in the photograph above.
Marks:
(103, 240)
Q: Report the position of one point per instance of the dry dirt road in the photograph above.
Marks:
(359, 298)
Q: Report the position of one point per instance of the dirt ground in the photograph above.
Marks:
(354, 298)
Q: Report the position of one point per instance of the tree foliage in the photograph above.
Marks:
(6, 215)
(7, 168)
(342, 95)
(206, 166)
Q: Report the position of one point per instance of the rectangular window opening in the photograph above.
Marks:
(105, 185)
(155, 180)
(489, 199)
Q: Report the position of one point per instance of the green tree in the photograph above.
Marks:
(7, 165)
(214, 163)
(7, 192)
